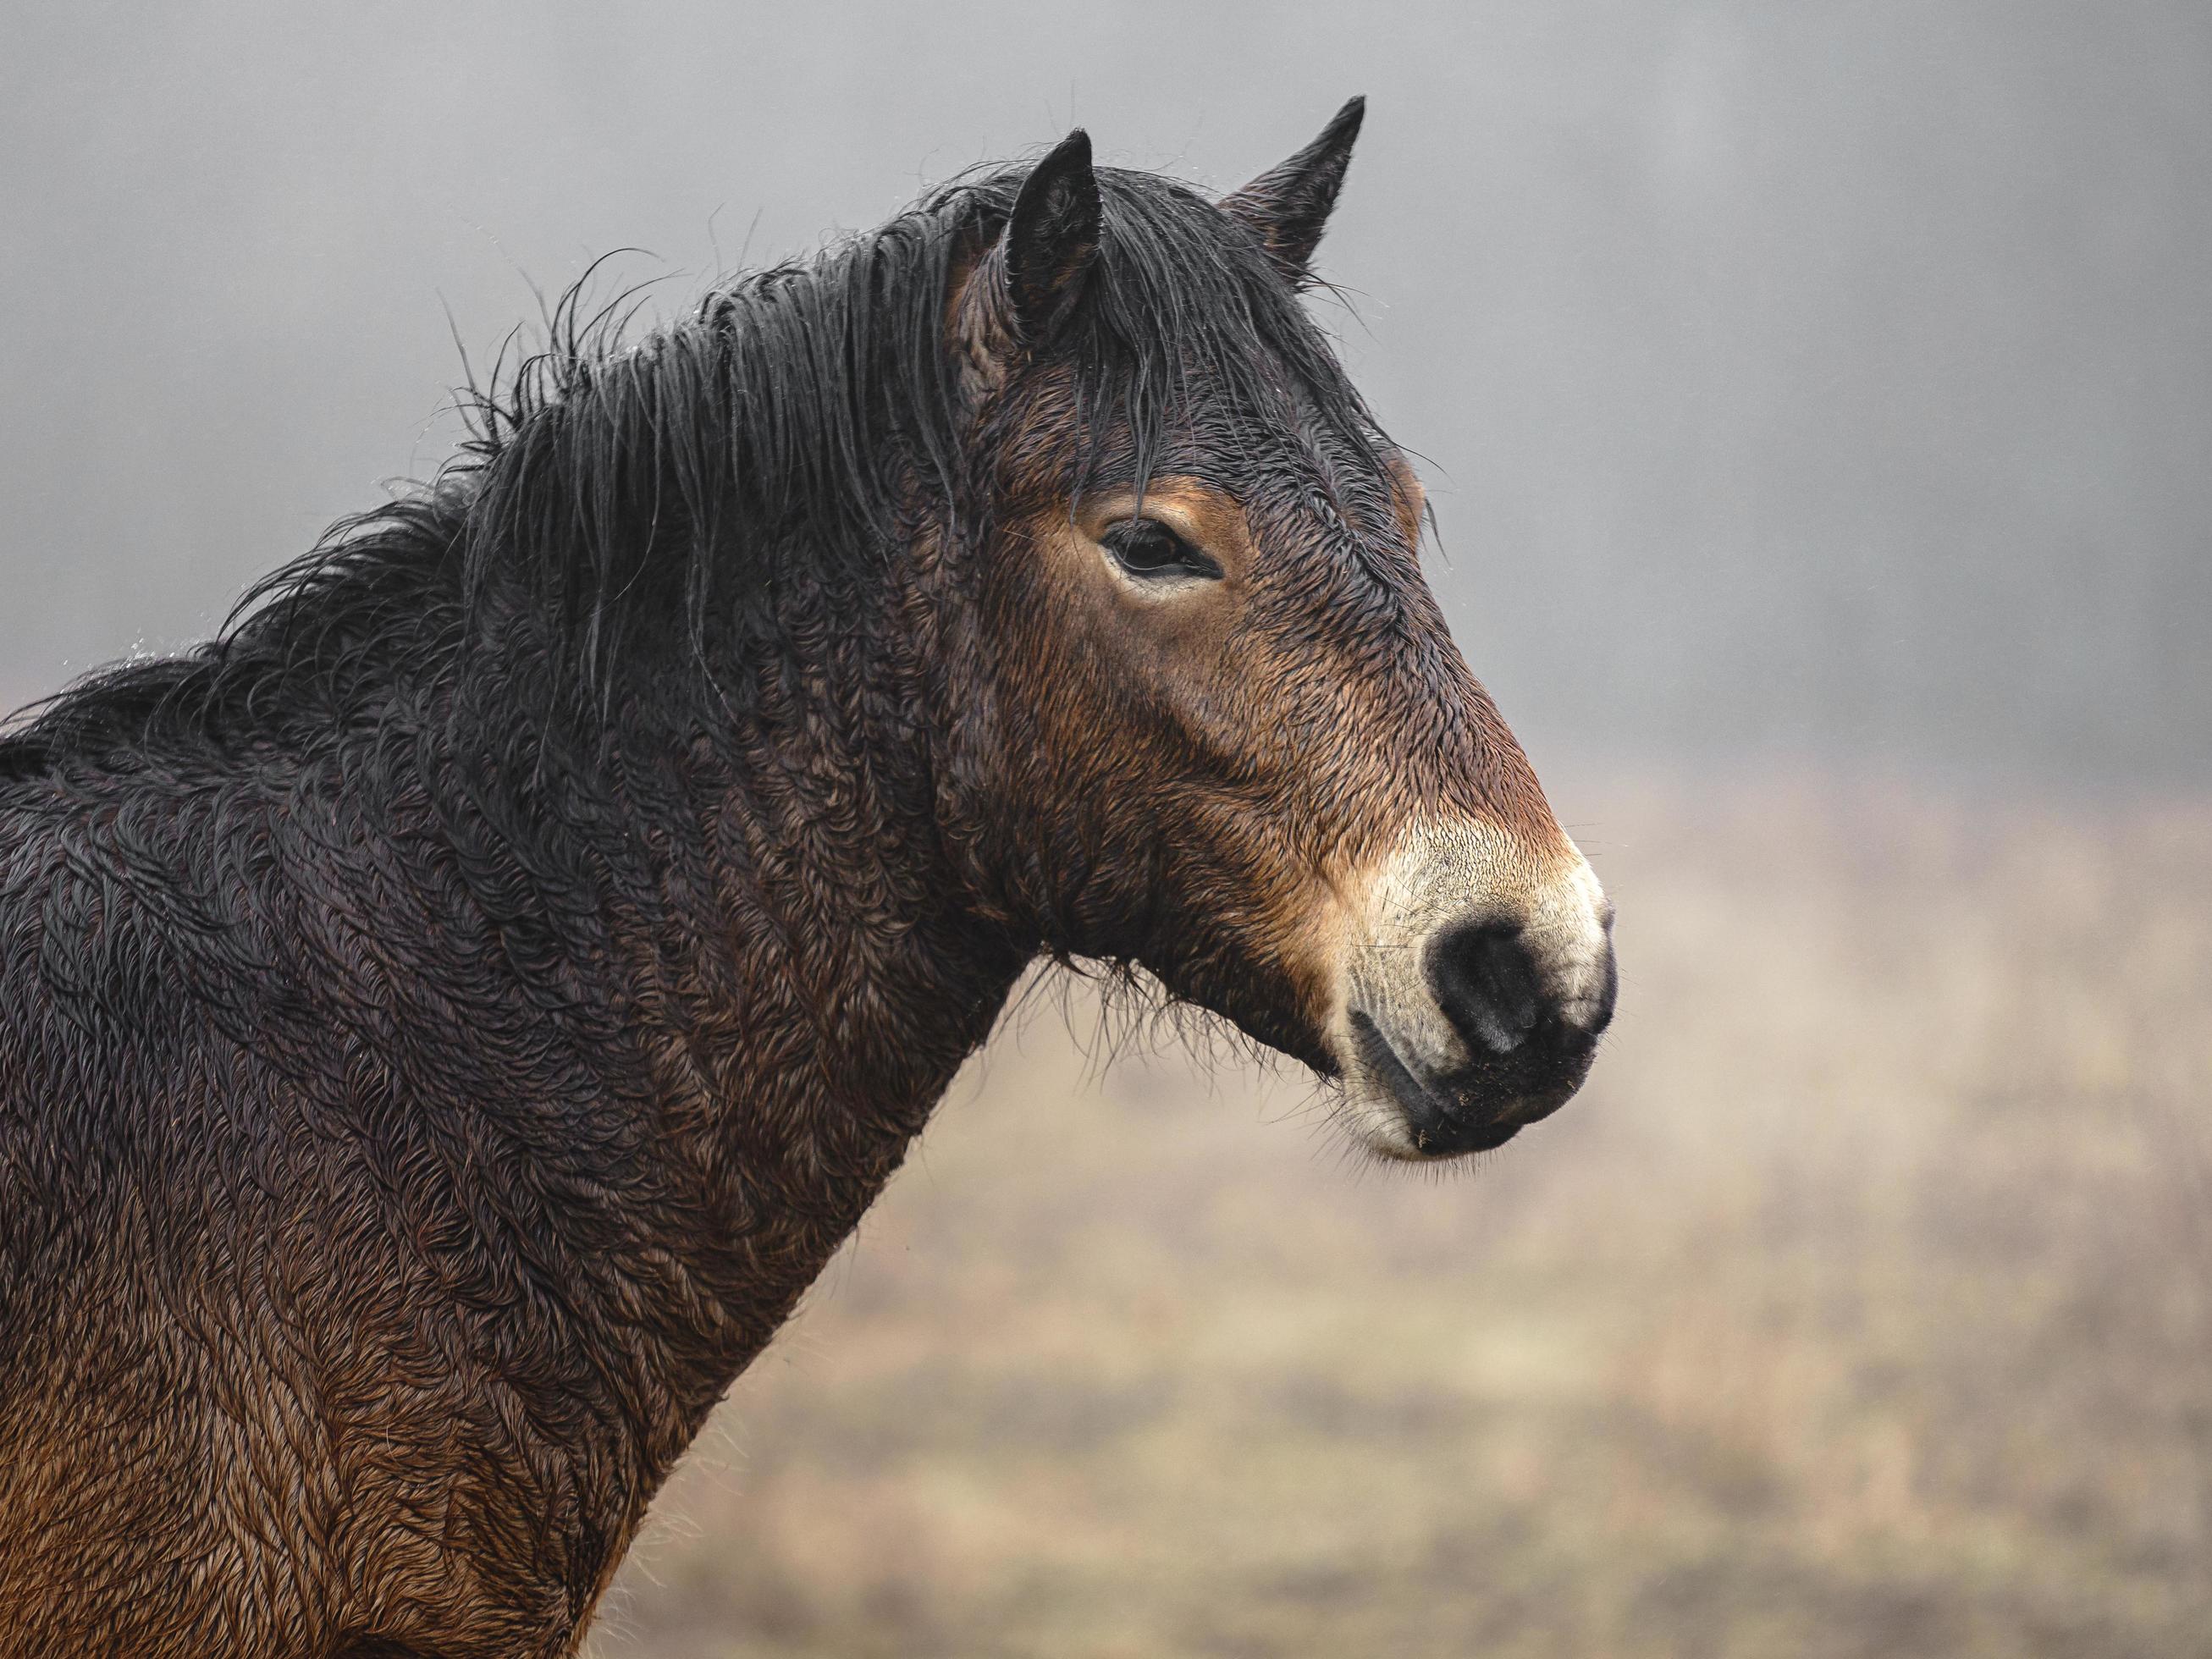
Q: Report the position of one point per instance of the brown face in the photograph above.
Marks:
(1235, 742)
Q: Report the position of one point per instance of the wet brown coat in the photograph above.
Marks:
(416, 1108)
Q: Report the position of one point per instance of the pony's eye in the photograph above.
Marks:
(1146, 548)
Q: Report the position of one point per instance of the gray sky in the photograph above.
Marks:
(1793, 380)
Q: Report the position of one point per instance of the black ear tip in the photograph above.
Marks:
(1288, 205)
(1065, 166)
(1061, 180)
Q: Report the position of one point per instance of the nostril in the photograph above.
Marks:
(1486, 984)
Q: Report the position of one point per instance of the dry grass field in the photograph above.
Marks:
(1862, 1305)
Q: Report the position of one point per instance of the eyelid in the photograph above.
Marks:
(1195, 562)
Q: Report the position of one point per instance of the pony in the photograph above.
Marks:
(448, 1019)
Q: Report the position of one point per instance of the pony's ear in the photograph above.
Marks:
(1051, 240)
(1287, 207)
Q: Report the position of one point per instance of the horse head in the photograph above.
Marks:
(1212, 720)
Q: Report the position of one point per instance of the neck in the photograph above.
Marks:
(841, 977)
(768, 964)
(713, 953)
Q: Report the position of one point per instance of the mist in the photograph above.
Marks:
(1828, 384)
(1815, 402)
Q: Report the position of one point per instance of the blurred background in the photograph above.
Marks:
(1817, 406)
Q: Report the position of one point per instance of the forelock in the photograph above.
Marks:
(1189, 322)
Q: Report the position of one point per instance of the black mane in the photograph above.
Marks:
(612, 493)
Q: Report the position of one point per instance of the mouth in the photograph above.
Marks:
(1435, 1122)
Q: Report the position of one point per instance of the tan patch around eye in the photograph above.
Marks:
(1209, 519)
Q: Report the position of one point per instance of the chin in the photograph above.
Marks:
(1378, 1128)
(1394, 1113)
